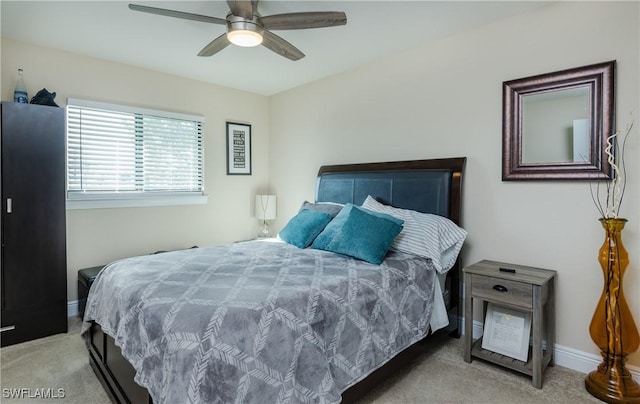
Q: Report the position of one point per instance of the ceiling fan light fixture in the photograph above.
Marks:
(244, 38)
(244, 33)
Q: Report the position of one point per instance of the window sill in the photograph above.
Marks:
(105, 203)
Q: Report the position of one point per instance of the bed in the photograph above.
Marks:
(267, 321)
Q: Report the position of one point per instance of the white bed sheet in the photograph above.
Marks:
(439, 315)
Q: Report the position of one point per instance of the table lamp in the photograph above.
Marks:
(265, 209)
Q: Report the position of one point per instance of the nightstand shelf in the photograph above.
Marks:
(506, 361)
(529, 290)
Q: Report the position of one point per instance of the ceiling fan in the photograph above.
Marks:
(245, 27)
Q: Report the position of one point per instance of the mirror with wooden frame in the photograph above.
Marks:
(555, 125)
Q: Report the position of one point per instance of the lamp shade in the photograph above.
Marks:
(265, 207)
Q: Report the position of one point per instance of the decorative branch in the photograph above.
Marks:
(609, 207)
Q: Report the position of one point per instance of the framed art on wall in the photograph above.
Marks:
(238, 149)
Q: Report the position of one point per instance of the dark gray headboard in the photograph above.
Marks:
(429, 186)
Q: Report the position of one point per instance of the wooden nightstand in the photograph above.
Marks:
(528, 290)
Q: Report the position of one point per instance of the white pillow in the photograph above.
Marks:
(425, 235)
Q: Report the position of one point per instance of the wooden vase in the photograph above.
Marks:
(612, 327)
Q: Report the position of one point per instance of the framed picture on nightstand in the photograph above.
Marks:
(506, 331)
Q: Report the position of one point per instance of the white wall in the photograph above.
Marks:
(444, 100)
(99, 236)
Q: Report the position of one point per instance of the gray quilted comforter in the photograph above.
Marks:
(259, 322)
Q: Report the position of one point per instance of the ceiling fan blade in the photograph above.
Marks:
(280, 46)
(177, 14)
(215, 46)
(314, 19)
(242, 8)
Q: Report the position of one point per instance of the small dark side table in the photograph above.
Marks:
(86, 276)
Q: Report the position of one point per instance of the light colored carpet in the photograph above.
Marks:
(438, 375)
(56, 362)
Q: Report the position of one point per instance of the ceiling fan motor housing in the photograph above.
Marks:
(243, 32)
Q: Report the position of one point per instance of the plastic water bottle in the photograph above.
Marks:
(20, 92)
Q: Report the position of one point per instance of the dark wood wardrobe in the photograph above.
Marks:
(33, 261)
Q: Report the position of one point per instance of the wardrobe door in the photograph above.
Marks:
(34, 295)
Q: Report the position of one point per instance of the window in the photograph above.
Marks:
(123, 156)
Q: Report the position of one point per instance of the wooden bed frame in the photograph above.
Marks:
(116, 373)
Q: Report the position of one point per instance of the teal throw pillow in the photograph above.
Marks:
(303, 228)
(333, 228)
(363, 234)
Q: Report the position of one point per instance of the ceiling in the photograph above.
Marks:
(109, 30)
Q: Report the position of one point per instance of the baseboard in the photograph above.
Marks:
(73, 309)
(568, 357)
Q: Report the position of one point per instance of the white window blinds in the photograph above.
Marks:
(118, 151)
